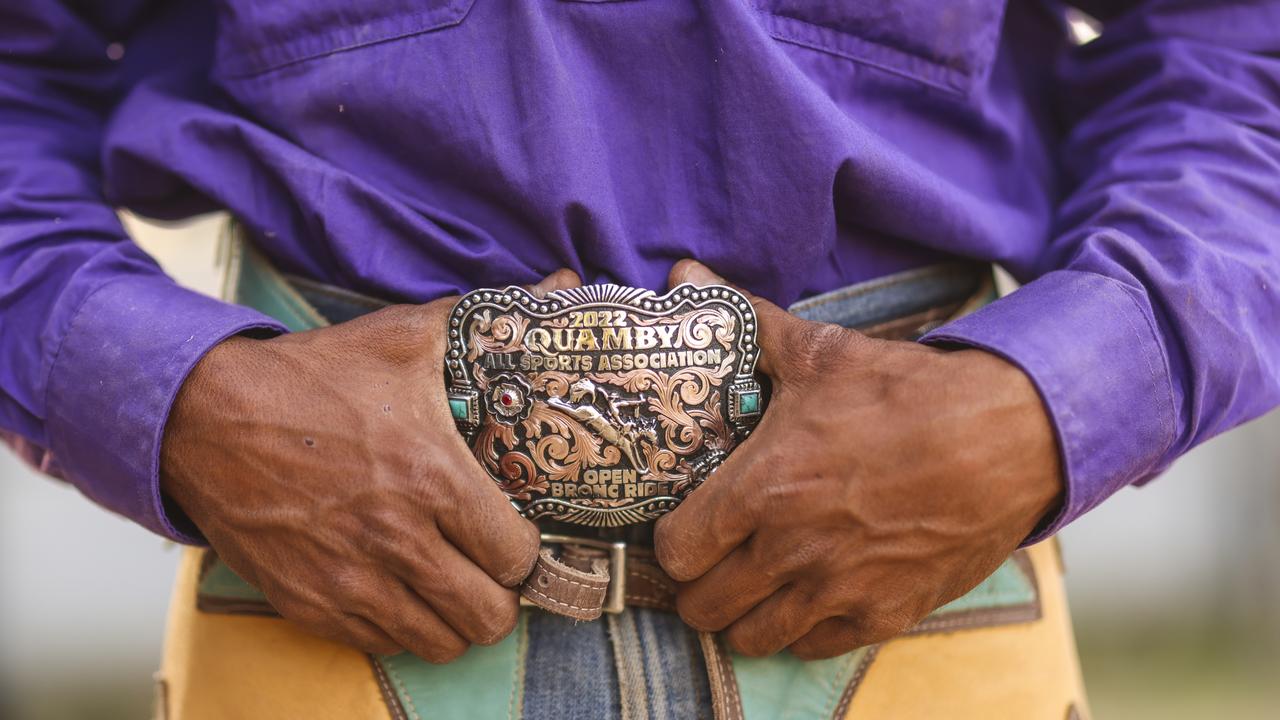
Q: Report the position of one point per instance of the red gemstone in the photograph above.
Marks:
(507, 399)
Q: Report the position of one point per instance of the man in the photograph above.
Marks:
(411, 151)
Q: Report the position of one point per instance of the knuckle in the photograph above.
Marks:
(521, 552)
(810, 555)
(875, 628)
(500, 620)
(350, 585)
(815, 343)
(673, 551)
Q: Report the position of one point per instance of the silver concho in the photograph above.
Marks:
(602, 405)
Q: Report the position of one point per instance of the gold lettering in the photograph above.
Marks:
(617, 338)
(667, 334)
(563, 339)
(645, 338)
(538, 340)
(586, 340)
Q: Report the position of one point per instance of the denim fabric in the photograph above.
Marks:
(647, 660)
(893, 296)
(569, 670)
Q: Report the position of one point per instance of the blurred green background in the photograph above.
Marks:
(1174, 587)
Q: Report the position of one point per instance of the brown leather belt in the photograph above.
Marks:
(592, 576)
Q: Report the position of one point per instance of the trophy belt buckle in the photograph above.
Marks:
(602, 405)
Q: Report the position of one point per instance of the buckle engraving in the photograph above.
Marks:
(602, 405)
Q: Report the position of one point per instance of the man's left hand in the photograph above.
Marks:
(886, 479)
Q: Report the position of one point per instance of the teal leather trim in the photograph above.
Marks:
(486, 682)
(220, 583)
(784, 688)
(1008, 586)
(773, 688)
(260, 287)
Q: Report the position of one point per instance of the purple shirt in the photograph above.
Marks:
(416, 148)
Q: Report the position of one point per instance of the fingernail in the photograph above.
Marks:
(698, 274)
(558, 280)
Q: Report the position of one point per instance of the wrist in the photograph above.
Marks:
(1011, 420)
(193, 419)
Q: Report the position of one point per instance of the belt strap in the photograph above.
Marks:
(590, 577)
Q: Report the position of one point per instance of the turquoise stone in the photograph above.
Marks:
(748, 402)
(458, 407)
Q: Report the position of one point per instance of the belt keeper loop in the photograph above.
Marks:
(615, 599)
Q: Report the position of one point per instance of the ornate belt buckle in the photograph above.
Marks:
(602, 405)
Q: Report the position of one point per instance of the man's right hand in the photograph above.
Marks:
(325, 469)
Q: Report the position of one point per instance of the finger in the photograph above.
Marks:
(476, 607)
(827, 639)
(484, 526)
(775, 623)
(562, 279)
(777, 326)
(330, 623)
(412, 623)
(729, 590)
(708, 524)
(356, 631)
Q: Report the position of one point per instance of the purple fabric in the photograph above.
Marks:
(414, 148)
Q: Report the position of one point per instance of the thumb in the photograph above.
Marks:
(777, 327)
(562, 279)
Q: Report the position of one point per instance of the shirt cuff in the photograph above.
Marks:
(122, 360)
(1091, 349)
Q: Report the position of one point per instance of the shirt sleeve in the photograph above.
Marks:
(95, 340)
(1154, 321)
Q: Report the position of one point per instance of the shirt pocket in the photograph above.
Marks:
(257, 36)
(949, 44)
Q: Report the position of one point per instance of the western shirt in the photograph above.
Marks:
(413, 149)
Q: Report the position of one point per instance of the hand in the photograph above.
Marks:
(885, 479)
(324, 468)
